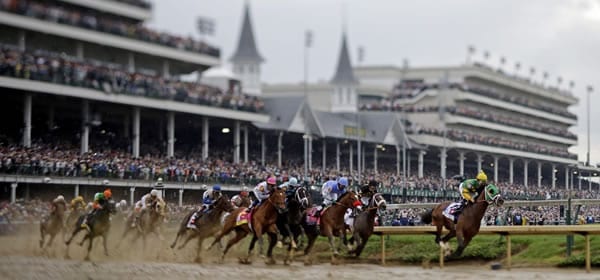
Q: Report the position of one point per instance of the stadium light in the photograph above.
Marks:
(590, 89)
(225, 130)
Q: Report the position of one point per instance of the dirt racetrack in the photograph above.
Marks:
(21, 258)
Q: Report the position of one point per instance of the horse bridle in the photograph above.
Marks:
(302, 200)
(377, 204)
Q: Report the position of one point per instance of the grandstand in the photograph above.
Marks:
(93, 98)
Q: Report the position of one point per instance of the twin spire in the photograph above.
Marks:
(246, 50)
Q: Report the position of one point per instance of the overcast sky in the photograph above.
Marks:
(561, 37)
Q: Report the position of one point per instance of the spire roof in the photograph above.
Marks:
(246, 49)
(344, 74)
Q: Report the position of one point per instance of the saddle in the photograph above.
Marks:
(311, 218)
(450, 211)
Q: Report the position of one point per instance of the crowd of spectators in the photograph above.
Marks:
(113, 79)
(140, 3)
(92, 20)
(496, 141)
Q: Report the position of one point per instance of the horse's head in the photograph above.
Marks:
(492, 195)
(349, 199)
(223, 203)
(111, 207)
(277, 198)
(378, 201)
(301, 195)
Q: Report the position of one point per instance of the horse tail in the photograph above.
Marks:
(427, 217)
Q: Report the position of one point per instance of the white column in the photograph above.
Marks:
(358, 158)
(279, 148)
(131, 196)
(263, 148)
(375, 158)
(567, 179)
(461, 162)
(590, 181)
(85, 129)
(408, 163)
(324, 151)
(205, 132)
(539, 174)
(362, 162)
(420, 161)
(351, 157)
(579, 181)
(554, 176)
(130, 62)
(479, 162)
(246, 144)
(180, 202)
(21, 41)
(165, 69)
(310, 152)
(236, 142)
(27, 121)
(13, 192)
(496, 170)
(76, 191)
(511, 173)
(525, 170)
(443, 163)
(170, 134)
(337, 156)
(79, 53)
(397, 160)
(135, 127)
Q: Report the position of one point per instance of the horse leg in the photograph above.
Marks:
(239, 234)
(311, 241)
(272, 241)
(438, 233)
(42, 233)
(189, 237)
(248, 259)
(462, 244)
(91, 239)
(199, 250)
(104, 243)
(50, 240)
(179, 233)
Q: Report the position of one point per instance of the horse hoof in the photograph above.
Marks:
(307, 263)
(270, 261)
(198, 260)
(87, 259)
(279, 244)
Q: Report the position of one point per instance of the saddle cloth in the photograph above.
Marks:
(450, 210)
(311, 220)
(242, 218)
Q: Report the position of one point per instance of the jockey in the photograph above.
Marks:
(100, 201)
(77, 203)
(237, 199)
(59, 200)
(143, 203)
(289, 187)
(367, 191)
(262, 192)
(468, 190)
(331, 190)
(208, 199)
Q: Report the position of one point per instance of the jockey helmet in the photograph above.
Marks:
(244, 189)
(98, 196)
(271, 181)
(293, 182)
(216, 188)
(123, 202)
(343, 181)
(244, 193)
(79, 198)
(60, 197)
(107, 194)
(154, 193)
(481, 176)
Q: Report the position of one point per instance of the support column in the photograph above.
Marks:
(180, 202)
(205, 132)
(170, 134)
(246, 144)
(375, 158)
(461, 162)
(525, 170)
(496, 169)
(76, 191)
(236, 142)
(279, 148)
(511, 173)
(21, 41)
(135, 127)
(443, 163)
(420, 161)
(27, 121)
(79, 53)
(263, 149)
(310, 152)
(85, 127)
(590, 181)
(479, 162)
(131, 196)
(579, 181)
(13, 192)
(337, 155)
(358, 159)
(130, 62)
(324, 151)
(351, 157)
(554, 176)
(539, 174)
(408, 163)
(166, 69)
(397, 160)
(567, 179)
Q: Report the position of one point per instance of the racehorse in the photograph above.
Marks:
(331, 224)
(261, 220)
(149, 221)
(99, 225)
(207, 225)
(468, 222)
(72, 219)
(52, 224)
(365, 222)
(289, 223)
